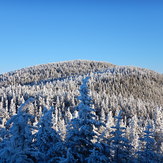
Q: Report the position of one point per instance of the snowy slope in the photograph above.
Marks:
(136, 91)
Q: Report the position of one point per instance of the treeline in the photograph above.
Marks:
(86, 137)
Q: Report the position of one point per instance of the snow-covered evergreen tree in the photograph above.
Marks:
(97, 157)
(69, 157)
(120, 146)
(48, 141)
(109, 123)
(147, 153)
(80, 131)
(132, 132)
(100, 153)
(18, 147)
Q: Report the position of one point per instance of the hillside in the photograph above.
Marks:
(52, 71)
(136, 91)
(106, 80)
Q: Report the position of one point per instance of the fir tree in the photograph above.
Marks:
(18, 147)
(100, 153)
(120, 145)
(69, 157)
(80, 131)
(48, 141)
(147, 153)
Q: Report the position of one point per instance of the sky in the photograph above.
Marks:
(122, 32)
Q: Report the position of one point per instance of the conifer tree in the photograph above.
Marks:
(120, 145)
(147, 153)
(18, 146)
(69, 157)
(80, 131)
(97, 157)
(48, 141)
(132, 133)
(100, 153)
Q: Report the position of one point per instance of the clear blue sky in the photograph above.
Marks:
(42, 31)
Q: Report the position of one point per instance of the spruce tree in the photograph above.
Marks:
(48, 141)
(120, 145)
(80, 131)
(18, 146)
(100, 153)
(147, 153)
(69, 157)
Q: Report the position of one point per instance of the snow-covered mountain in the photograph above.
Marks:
(106, 80)
(52, 71)
(130, 88)
(136, 91)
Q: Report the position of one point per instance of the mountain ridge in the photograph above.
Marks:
(77, 60)
(53, 70)
(48, 68)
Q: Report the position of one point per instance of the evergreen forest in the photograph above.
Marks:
(83, 112)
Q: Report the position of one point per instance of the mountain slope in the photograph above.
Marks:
(51, 70)
(107, 78)
(138, 92)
